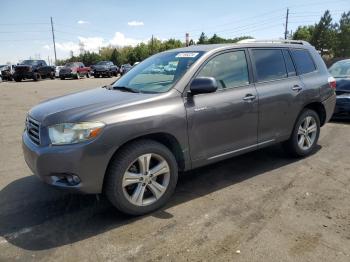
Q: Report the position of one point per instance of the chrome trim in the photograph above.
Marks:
(241, 149)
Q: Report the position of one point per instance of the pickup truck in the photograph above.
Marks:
(105, 68)
(7, 71)
(33, 69)
(74, 70)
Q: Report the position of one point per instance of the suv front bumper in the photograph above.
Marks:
(52, 164)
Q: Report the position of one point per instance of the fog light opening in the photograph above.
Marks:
(69, 179)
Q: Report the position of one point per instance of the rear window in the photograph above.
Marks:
(303, 61)
(269, 64)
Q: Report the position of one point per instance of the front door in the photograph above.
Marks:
(223, 123)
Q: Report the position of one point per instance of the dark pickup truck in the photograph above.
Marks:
(33, 69)
(105, 68)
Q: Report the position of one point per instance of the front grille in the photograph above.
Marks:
(33, 130)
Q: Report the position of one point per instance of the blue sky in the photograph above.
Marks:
(25, 25)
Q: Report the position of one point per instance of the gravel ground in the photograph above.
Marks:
(262, 206)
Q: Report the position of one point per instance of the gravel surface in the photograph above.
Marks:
(262, 206)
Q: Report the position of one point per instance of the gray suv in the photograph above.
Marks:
(129, 140)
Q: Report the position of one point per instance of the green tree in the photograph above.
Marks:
(324, 35)
(343, 36)
(203, 39)
(304, 33)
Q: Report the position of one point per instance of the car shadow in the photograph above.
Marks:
(341, 120)
(34, 216)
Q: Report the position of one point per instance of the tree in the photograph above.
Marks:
(203, 39)
(304, 33)
(343, 36)
(324, 35)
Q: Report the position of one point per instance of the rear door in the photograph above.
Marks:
(223, 123)
(279, 90)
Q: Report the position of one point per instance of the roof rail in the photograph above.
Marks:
(298, 42)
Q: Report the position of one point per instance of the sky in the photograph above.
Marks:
(25, 29)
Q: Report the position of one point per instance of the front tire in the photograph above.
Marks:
(141, 178)
(305, 134)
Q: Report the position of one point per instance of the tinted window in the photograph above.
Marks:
(289, 63)
(269, 64)
(229, 69)
(303, 61)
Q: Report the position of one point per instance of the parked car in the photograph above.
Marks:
(74, 70)
(33, 69)
(7, 72)
(130, 139)
(124, 69)
(105, 68)
(341, 72)
(57, 71)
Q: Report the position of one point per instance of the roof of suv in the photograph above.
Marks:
(211, 47)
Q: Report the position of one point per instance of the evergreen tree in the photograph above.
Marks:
(343, 37)
(203, 39)
(324, 35)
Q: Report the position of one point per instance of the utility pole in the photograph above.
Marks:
(53, 39)
(286, 25)
(152, 46)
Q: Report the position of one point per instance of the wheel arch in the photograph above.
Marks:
(319, 108)
(166, 139)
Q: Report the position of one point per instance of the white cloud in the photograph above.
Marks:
(120, 39)
(47, 47)
(136, 23)
(93, 44)
(82, 22)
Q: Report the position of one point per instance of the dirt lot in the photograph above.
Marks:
(262, 206)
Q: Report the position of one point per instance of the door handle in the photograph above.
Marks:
(297, 88)
(249, 97)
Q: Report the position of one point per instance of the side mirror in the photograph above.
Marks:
(203, 85)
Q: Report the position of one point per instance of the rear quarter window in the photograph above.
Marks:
(303, 61)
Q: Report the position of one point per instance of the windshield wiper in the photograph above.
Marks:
(127, 89)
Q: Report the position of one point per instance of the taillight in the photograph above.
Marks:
(332, 83)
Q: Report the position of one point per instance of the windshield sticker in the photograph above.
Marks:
(186, 55)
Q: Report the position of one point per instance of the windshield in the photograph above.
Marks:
(340, 69)
(70, 65)
(30, 62)
(102, 63)
(158, 73)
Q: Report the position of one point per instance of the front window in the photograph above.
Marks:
(340, 69)
(30, 62)
(71, 65)
(229, 69)
(158, 73)
(102, 63)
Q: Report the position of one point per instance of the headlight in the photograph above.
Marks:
(71, 133)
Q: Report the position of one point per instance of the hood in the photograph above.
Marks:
(78, 106)
(343, 85)
(21, 67)
(99, 67)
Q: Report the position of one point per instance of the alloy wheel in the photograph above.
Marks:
(146, 179)
(307, 133)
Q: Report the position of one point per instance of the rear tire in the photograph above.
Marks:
(62, 78)
(305, 134)
(17, 79)
(134, 185)
(36, 76)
